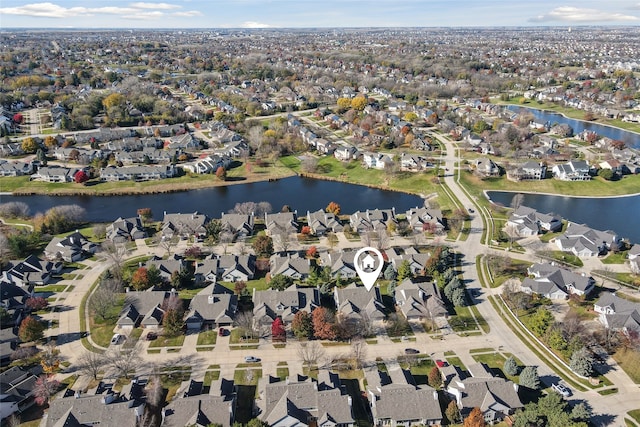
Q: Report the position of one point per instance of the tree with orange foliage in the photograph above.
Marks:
(333, 208)
(475, 419)
(323, 324)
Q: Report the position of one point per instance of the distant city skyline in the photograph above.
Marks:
(312, 13)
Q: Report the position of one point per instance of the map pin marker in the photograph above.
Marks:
(369, 267)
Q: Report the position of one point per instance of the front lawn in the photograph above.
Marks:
(207, 338)
(629, 361)
(165, 341)
(615, 258)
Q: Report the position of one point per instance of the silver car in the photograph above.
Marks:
(563, 390)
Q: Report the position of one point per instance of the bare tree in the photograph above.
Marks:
(114, 254)
(382, 240)
(124, 360)
(155, 392)
(311, 352)
(512, 233)
(91, 364)
(332, 240)
(358, 352)
(167, 243)
(517, 200)
(241, 248)
(264, 208)
(103, 299)
(309, 164)
(5, 252)
(100, 231)
(282, 241)
(14, 210)
(244, 321)
(225, 240)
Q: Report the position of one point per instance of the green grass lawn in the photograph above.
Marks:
(463, 321)
(615, 258)
(563, 257)
(455, 361)
(50, 288)
(635, 414)
(237, 338)
(211, 376)
(247, 376)
(164, 341)
(282, 372)
(207, 338)
(629, 361)
(102, 329)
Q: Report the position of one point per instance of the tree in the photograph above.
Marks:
(452, 412)
(434, 377)
(282, 241)
(155, 392)
(510, 366)
(278, 333)
(239, 287)
(45, 387)
(91, 364)
(167, 243)
(280, 282)
(458, 297)
(389, 272)
(302, 325)
(529, 377)
(41, 157)
(581, 412)
(221, 173)
(173, 319)
(516, 201)
(145, 214)
(263, 246)
(244, 322)
(124, 360)
(581, 362)
(358, 103)
(323, 324)
(312, 252)
(606, 174)
(18, 118)
(29, 145)
(311, 352)
(23, 243)
(140, 279)
(404, 271)
(475, 418)
(114, 254)
(333, 208)
(36, 303)
(80, 177)
(358, 352)
(31, 329)
(214, 229)
(540, 321)
(182, 278)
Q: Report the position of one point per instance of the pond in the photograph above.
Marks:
(299, 193)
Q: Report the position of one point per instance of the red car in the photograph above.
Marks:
(441, 363)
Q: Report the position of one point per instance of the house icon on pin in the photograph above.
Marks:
(368, 263)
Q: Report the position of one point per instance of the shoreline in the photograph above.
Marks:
(542, 193)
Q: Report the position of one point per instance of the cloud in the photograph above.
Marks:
(254, 24)
(163, 6)
(136, 10)
(575, 14)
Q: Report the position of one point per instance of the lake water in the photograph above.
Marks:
(631, 139)
(301, 194)
(620, 214)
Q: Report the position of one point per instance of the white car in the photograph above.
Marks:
(116, 339)
(559, 388)
(251, 359)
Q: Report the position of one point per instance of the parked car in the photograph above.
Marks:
(223, 332)
(411, 351)
(563, 390)
(471, 210)
(117, 339)
(151, 336)
(251, 359)
(441, 363)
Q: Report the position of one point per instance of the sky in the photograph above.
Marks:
(314, 13)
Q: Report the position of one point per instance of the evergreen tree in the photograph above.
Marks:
(529, 377)
(510, 366)
(581, 362)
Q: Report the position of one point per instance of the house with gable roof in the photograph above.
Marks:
(185, 225)
(201, 410)
(355, 304)
(142, 308)
(584, 241)
(281, 222)
(369, 220)
(301, 401)
(322, 222)
(32, 271)
(291, 265)
(529, 222)
(240, 225)
(234, 268)
(574, 170)
(396, 400)
(168, 266)
(126, 229)
(16, 391)
(634, 258)
(419, 301)
(212, 307)
(555, 282)
(206, 270)
(340, 263)
(417, 260)
(70, 248)
(618, 313)
(421, 219)
(496, 397)
(269, 304)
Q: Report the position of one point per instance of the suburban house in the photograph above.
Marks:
(137, 173)
(396, 400)
(54, 174)
(208, 164)
(634, 258)
(322, 222)
(281, 223)
(126, 229)
(377, 160)
(413, 163)
(618, 313)
(574, 170)
(206, 270)
(104, 407)
(484, 166)
(12, 298)
(302, 401)
(193, 408)
(341, 263)
(426, 219)
(529, 222)
(168, 266)
(32, 271)
(419, 301)
(417, 260)
(555, 282)
(15, 168)
(212, 307)
(269, 304)
(497, 398)
(291, 265)
(346, 153)
(142, 308)
(528, 171)
(369, 220)
(16, 391)
(584, 241)
(184, 225)
(235, 268)
(240, 225)
(356, 305)
(71, 248)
